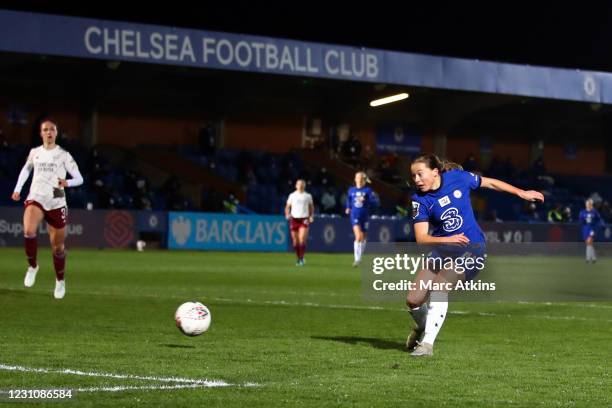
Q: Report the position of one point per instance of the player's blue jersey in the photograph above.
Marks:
(448, 209)
(360, 201)
(589, 220)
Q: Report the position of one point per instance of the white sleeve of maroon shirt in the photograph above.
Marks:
(73, 170)
(23, 177)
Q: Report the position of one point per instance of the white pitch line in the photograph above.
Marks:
(121, 388)
(576, 304)
(379, 308)
(350, 307)
(303, 304)
(545, 317)
(148, 387)
(189, 381)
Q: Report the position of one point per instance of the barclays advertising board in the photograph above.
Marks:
(235, 232)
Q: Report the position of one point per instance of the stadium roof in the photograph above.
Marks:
(541, 33)
(100, 39)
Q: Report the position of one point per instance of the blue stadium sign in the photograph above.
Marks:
(189, 230)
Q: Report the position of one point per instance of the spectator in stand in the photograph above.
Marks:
(251, 178)
(388, 168)
(538, 168)
(207, 139)
(328, 201)
(352, 150)
(324, 178)
(244, 163)
(171, 193)
(555, 214)
(597, 199)
(567, 214)
(231, 203)
(530, 213)
(142, 197)
(605, 211)
(493, 217)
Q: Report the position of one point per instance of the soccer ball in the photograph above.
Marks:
(192, 318)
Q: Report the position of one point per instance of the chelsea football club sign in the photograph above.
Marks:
(123, 41)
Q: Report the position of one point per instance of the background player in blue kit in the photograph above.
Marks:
(359, 202)
(442, 201)
(589, 219)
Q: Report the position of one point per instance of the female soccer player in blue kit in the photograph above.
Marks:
(359, 202)
(589, 219)
(442, 200)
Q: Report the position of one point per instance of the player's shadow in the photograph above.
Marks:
(183, 346)
(15, 292)
(356, 341)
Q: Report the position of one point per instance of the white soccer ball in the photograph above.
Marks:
(140, 245)
(192, 318)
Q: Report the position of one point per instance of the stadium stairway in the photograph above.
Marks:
(390, 196)
(158, 164)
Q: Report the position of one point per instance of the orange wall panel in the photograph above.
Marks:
(588, 161)
(276, 135)
(518, 152)
(129, 131)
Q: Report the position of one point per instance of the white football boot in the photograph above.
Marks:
(60, 289)
(30, 276)
(423, 349)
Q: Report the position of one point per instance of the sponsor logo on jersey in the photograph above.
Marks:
(444, 201)
(415, 209)
(451, 219)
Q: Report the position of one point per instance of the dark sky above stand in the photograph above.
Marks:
(571, 35)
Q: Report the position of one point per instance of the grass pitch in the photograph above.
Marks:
(282, 335)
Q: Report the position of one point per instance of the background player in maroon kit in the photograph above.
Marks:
(299, 211)
(47, 201)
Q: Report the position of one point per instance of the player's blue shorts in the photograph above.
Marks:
(362, 221)
(468, 260)
(588, 232)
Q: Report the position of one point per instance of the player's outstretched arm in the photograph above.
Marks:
(498, 185)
